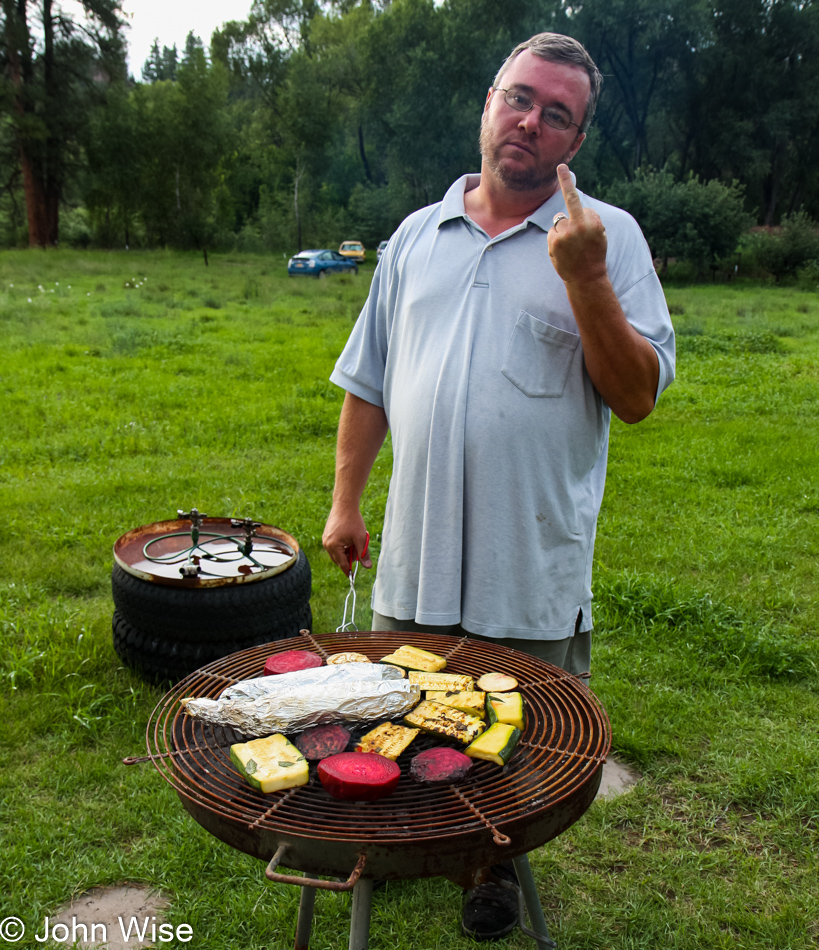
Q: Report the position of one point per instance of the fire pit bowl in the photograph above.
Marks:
(419, 831)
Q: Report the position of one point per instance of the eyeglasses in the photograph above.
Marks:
(553, 116)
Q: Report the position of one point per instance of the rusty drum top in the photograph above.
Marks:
(419, 831)
(212, 553)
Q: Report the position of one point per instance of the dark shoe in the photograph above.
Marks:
(490, 911)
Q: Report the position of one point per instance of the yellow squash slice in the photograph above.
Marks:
(414, 658)
(388, 740)
(441, 681)
(443, 720)
(471, 701)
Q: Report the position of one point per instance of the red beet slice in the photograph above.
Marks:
(291, 661)
(359, 776)
(440, 766)
(322, 741)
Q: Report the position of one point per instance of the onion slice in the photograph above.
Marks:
(497, 682)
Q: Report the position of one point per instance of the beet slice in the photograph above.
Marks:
(319, 742)
(291, 661)
(440, 766)
(359, 776)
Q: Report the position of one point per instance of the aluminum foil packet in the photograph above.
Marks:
(305, 679)
(295, 707)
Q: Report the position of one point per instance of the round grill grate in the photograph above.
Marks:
(555, 768)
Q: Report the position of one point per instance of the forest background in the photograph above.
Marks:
(313, 122)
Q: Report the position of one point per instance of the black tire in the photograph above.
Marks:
(321, 274)
(205, 615)
(164, 659)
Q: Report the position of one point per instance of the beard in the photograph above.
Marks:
(535, 178)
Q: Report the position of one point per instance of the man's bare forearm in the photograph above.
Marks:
(362, 429)
(622, 364)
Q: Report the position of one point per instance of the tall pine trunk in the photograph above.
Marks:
(41, 188)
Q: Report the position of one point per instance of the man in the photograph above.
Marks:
(503, 326)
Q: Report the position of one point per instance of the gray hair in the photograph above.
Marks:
(556, 48)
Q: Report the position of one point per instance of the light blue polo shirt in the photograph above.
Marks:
(499, 437)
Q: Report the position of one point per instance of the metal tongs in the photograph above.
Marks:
(349, 600)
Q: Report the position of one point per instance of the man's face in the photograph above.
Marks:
(518, 148)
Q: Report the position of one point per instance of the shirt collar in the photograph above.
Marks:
(452, 205)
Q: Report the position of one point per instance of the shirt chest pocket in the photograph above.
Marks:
(539, 356)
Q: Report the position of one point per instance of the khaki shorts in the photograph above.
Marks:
(572, 654)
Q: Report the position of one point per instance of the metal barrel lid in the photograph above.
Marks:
(205, 552)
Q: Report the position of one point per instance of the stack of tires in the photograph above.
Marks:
(166, 632)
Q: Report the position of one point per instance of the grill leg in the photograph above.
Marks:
(528, 889)
(305, 921)
(360, 919)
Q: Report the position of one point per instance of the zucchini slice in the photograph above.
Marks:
(468, 701)
(414, 658)
(443, 720)
(496, 744)
(270, 764)
(506, 707)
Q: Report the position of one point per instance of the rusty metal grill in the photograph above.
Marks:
(419, 830)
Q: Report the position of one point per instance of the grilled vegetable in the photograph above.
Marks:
(388, 740)
(497, 682)
(443, 720)
(320, 741)
(400, 669)
(441, 681)
(413, 658)
(270, 764)
(506, 707)
(440, 766)
(291, 661)
(496, 744)
(336, 658)
(359, 776)
(468, 701)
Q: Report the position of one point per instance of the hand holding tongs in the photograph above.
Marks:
(350, 598)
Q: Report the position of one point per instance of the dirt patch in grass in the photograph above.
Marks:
(127, 916)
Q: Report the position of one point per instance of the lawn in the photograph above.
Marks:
(133, 385)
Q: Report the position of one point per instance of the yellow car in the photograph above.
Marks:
(354, 250)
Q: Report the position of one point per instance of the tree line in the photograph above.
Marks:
(312, 121)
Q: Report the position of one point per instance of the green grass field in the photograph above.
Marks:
(136, 384)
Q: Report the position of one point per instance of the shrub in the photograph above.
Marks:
(75, 228)
(690, 220)
(808, 276)
(787, 253)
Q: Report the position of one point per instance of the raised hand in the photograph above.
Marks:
(577, 243)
